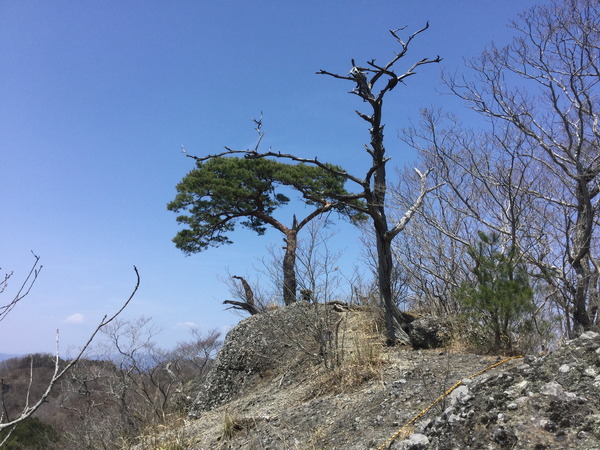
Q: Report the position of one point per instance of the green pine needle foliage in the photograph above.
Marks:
(499, 303)
(223, 192)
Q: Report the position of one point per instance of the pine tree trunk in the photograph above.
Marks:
(289, 267)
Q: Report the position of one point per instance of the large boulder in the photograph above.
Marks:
(546, 402)
(263, 345)
(429, 332)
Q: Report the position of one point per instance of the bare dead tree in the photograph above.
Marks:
(374, 185)
(373, 82)
(247, 294)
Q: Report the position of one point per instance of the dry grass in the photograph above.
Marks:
(360, 345)
(345, 378)
(406, 432)
(168, 436)
(231, 426)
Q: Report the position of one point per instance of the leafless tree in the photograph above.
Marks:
(431, 252)
(193, 357)
(135, 385)
(319, 275)
(484, 186)
(545, 86)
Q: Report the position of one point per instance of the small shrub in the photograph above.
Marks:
(499, 302)
(31, 434)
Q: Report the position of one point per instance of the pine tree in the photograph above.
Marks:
(500, 297)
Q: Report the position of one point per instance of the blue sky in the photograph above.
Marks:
(97, 97)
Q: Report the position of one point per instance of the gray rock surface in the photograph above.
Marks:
(271, 378)
(416, 441)
(263, 345)
(536, 405)
(429, 332)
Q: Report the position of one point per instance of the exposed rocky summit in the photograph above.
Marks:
(264, 344)
(319, 377)
(300, 335)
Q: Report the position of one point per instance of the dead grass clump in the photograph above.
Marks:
(272, 306)
(365, 340)
(342, 379)
(168, 436)
(231, 426)
(367, 352)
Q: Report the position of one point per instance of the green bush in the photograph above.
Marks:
(31, 434)
(498, 303)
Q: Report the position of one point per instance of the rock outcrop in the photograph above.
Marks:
(272, 382)
(547, 402)
(265, 344)
(429, 332)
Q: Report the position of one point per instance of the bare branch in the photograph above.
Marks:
(58, 372)
(415, 206)
(24, 289)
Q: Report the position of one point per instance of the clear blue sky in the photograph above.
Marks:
(96, 98)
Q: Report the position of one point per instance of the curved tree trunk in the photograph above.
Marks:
(395, 320)
(248, 304)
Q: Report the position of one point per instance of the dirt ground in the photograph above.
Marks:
(543, 402)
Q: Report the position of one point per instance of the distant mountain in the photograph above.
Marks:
(5, 356)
